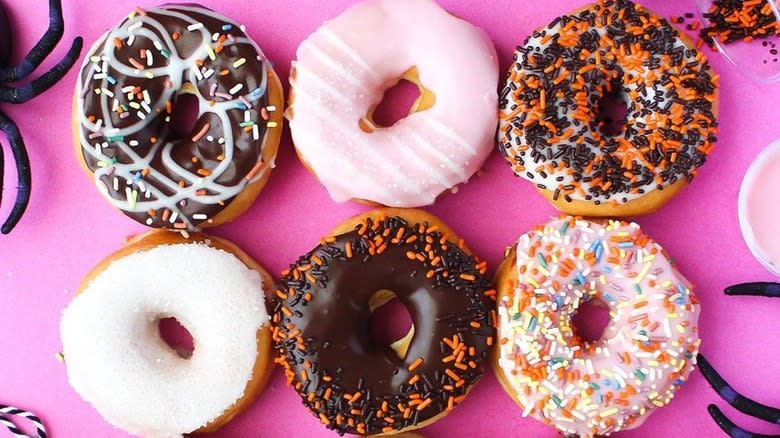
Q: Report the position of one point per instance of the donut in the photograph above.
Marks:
(549, 128)
(340, 75)
(127, 95)
(322, 315)
(758, 207)
(117, 361)
(647, 351)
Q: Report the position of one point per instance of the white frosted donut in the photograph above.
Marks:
(117, 361)
(341, 73)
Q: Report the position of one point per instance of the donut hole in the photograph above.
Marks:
(612, 113)
(396, 104)
(391, 323)
(176, 336)
(403, 98)
(184, 116)
(591, 320)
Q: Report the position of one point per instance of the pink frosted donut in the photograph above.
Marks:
(341, 73)
(646, 353)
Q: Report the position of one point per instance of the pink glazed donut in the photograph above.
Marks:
(340, 76)
(647, 351)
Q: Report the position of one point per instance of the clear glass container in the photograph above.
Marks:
(758, 58)
(759, 209)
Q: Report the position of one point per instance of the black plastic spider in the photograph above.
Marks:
(23, 93)
(729, 394)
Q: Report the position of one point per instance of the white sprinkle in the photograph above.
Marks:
(193, 27)
(255, 132)
(199, 216)
(131, 40)
(133, 143)
(173, 217)
(141, 115)
(236, 89)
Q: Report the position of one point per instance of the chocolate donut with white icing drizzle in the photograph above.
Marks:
(125, 100)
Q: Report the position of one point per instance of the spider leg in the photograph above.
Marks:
(759, 289)
(42, 48)
(732, 429)
(2, 173)
(23, 170)
(45, 81)
(735, 399)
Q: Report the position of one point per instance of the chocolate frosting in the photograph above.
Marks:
(324, 321)
(128, 87)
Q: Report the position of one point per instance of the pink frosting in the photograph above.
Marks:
(646, 352)
(344, 68)
(759, 208)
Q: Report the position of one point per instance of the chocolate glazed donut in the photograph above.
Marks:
(126, 98)
(323, 311)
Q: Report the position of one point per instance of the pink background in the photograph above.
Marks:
(69, 228)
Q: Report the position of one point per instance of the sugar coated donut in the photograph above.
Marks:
(340, 75)
(322, 317)
(126, 98)
(117, 361)
(646, 353)
(549, 129)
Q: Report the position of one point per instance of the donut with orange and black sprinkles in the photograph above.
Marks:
(322, 315)
(550, 131)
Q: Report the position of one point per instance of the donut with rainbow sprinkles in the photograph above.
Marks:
(647, 350)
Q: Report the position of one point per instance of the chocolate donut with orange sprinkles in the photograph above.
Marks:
(322, 319)
(561, 79)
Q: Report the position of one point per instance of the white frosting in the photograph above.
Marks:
(117, 361)
(344, 68)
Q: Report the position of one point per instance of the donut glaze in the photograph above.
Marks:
(549, 129)
(341, 73)
(323, 322)
(646, 352)
(126, 94)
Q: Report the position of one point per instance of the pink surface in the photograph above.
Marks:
(69, 228)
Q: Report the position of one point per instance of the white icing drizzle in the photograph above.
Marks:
(142, 196)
